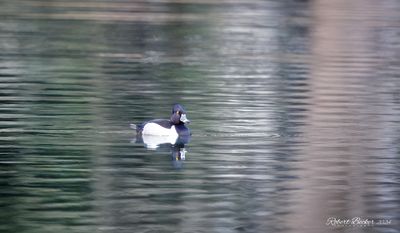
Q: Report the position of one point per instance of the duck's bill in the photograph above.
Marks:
(184, 119)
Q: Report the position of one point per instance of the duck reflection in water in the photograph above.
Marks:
(176, 149)
(171, 133)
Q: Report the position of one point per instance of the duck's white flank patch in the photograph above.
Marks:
(156, 129)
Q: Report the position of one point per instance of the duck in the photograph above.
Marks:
(173, 127)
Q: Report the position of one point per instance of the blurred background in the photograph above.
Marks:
(294, 108)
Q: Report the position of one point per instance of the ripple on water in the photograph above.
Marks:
(294, 109)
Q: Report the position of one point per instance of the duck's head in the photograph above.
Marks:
(178, 115)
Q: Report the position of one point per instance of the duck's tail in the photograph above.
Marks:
(133, 126)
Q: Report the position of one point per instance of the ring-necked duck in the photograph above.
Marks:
(174, 127)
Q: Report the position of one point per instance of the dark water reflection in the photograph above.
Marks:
(294, 108)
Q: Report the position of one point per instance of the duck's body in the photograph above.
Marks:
(174, 127)
(161, 127)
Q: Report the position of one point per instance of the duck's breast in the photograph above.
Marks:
(183, 130)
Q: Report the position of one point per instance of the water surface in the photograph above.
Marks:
(294, 106)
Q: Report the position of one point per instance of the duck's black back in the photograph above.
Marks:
(163, 122)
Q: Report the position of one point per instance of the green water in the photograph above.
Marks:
(294, 110)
